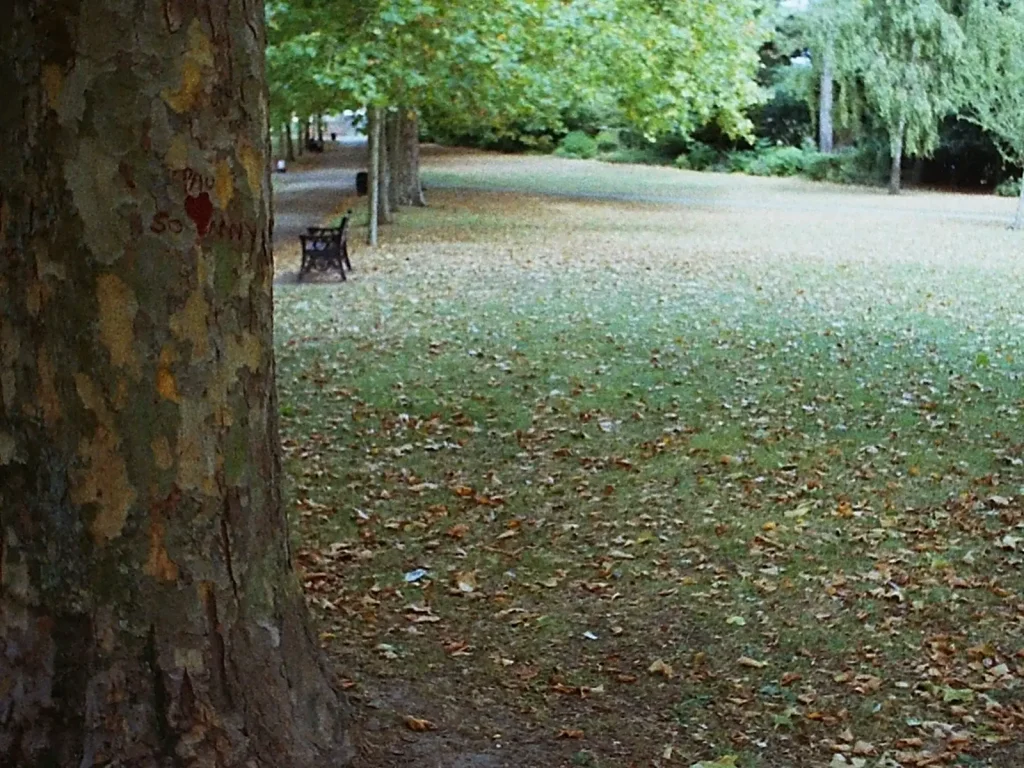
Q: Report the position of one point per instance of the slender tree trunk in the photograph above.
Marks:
(394, 164)
(149, 614)
(410, 189)
(825, 101)
(320, 128)
(1018, 221)
(373, 146)
(896, 148)
(384, 170)
(300, 139)
(289, 142)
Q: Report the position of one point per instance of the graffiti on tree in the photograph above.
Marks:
(200, 210)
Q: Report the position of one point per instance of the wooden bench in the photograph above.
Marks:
(326, 248)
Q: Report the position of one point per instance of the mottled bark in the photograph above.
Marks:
(826, 132)
(406, 176)
(372, 145)
(394, 167)
(896, 166)
(380, 176)
(149, 614)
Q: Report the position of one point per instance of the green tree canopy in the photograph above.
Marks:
(513, 65)
(991, 85)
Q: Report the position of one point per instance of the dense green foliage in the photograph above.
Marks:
(992, 87)
(577, 144)
(643, 81)
(522, 67)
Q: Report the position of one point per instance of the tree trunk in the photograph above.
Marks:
(825, 100)
(149, 613)
(896, 149)
(1018, 221)
(300, 139)
(384, 213)
(320, 128)
(394, 160)
(373, 135)
(410, 190)
(290, 143)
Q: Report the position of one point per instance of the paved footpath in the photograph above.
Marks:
(308, 194)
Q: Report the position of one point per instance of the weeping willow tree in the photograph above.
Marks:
(992, 81)
(832, 31)
(909, 54)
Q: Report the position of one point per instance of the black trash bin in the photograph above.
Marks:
(362, 183)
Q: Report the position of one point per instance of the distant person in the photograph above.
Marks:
(334, 137)
(282, 166)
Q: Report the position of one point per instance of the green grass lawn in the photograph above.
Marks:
(687, 484)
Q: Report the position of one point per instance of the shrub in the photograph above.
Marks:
(607, 140)
(742, 161)
(820, 167)
(637, 155)
(577, 144)
(701, 157)
(784, 161)
(854, 165)
(1009, 188)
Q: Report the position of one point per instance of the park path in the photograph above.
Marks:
(311, 191)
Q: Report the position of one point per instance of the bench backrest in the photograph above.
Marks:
(340, 231)
(320, 242)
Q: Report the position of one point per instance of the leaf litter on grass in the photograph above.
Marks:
(751, 453)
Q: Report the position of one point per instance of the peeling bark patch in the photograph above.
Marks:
(191, 324)
(197, 62)
(166, 384)
(252, 161)
(176, 156)
(196, 451)
(224, 184)
(162, 456)
(94, 178)
(118, 307)
(49, 401)
(159, 565)
(103, 481)
(53, 81)
(245, 350)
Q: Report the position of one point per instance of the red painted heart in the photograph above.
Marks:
(200, 210)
